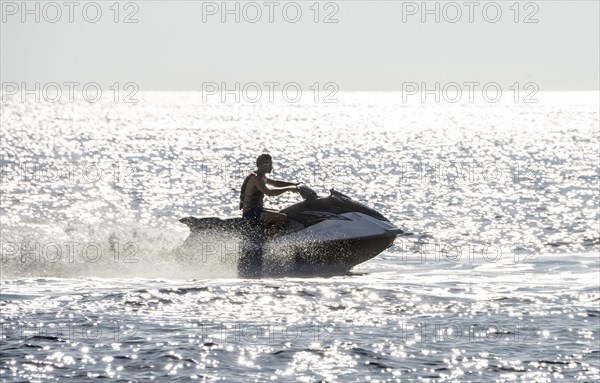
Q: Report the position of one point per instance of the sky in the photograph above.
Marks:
(356, 45)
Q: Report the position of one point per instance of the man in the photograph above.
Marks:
(255, 188)
(252, 194)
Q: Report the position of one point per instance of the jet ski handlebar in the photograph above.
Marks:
(307, 193)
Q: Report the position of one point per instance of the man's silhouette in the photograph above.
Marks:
(255, 187)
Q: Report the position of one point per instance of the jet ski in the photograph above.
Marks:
(322, 235)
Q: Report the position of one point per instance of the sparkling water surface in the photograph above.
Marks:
(499, 281)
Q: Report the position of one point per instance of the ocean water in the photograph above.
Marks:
(499, 281)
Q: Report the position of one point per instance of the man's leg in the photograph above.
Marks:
(273, 220)
(251, 257)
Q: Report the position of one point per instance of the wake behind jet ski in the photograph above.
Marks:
(325, 235)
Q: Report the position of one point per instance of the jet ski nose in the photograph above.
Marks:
(394, 231)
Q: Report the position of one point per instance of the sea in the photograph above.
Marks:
(498, 280)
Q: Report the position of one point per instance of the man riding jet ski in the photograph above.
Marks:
(326, 235)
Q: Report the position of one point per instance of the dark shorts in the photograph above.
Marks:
(253, 216)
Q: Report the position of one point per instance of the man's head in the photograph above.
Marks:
(264, 163)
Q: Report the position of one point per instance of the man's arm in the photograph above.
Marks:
(281, 183)
(273, 191)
